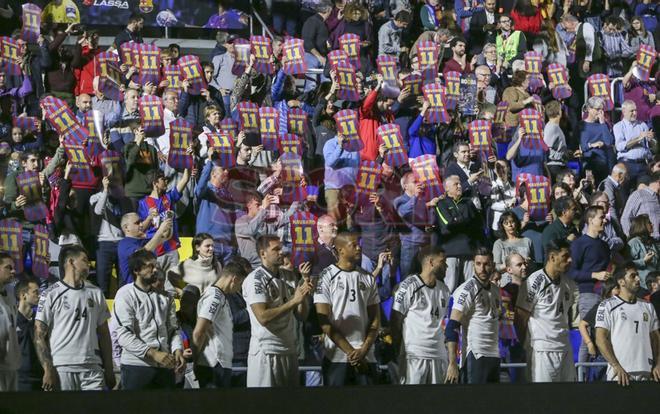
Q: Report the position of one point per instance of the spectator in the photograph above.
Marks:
(596, 140)
(613, 187)
(202, 269)
(554, 138)
(132, 32)
(460, 230)
(612, 233)
(136, 239)
(483, 27)
(511, 44)
(509, 241)
(644, 250)
(639, 35)
(517, 97)
(389, 35)
(644, 201)
(315, 35)
(61, 11)
(414, 212)
(566, 209)
(158, 206)
(633, 141)
(458, 62)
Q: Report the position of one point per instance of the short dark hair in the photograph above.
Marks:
(263, 242)
(135, 17)
(155, 175)
(591, 212)
(138, 260)
(457, 145)
(562, 204)
(456, 41)
(483, 251)
(23, 285)
(622, 270)
(5, 255)
(233, 269)
(429, 251)
(240, 261)
(555, 246)
(652, 277)
(69, 252)
(403, 16)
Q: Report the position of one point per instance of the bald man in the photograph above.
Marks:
(614, 186)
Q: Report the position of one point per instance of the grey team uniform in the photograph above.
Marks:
(72, 316)
(272, 357)
(630, 325)
(553, 311)
(10, 355)
(423, 307)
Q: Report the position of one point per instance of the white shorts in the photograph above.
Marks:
(423, 370)
(8, 381)
(634, 376)
(552, 366)
(272, 370)
(92, 380)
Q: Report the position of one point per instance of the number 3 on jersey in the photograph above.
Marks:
(352, 293)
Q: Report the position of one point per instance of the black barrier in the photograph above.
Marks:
(640, 398)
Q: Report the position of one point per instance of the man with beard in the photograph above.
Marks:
(272, 302)
(476, 306)
(147, 329)
(627, 332)
(71, 329)
(458, 62)
(546, 304)
(420, 304)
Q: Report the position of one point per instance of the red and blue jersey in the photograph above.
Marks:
(165, 203)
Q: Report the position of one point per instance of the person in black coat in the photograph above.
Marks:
(483, 27)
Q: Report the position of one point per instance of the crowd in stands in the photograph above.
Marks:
(434, 186)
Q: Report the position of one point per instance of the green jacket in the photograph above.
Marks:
(139, 162)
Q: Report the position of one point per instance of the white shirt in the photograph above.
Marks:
(630, 325)
(424, 307)
(162, 143)
(145, 319)
(11, 353)
(349, 294)
(214, 307)
(72, 316)
(481, 313)
(552, 305)
(278, 337)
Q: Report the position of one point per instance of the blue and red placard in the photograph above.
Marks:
(427, 174)
(181, 138)
(193, 73)
(269, 127)
(390, 135)
(303, 237)
(293, 57)
(152, 115)
(348, 126)
(434, 93)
